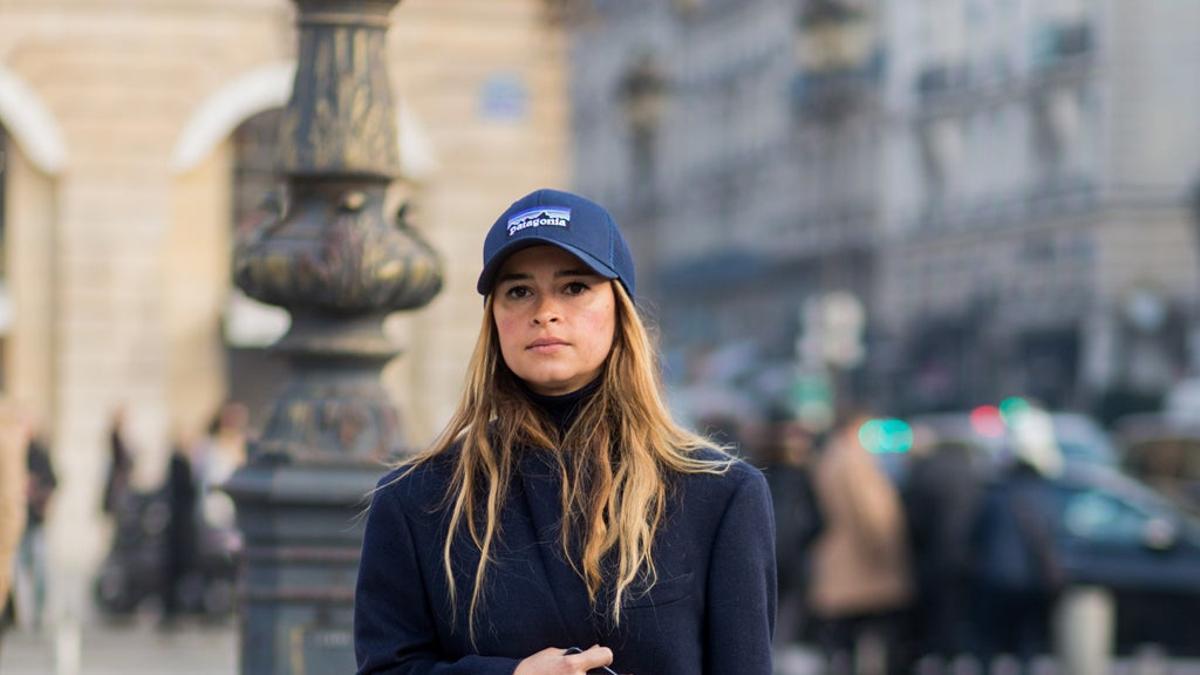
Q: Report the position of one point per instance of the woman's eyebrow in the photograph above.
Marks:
(522, 276)
(512, 276)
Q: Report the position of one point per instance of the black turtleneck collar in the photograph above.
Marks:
(563, 408)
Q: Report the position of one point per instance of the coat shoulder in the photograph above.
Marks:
(739, 475)
(418, 487)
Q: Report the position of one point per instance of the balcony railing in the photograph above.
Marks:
(940, 79)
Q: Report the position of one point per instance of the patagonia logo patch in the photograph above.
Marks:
(542, 216)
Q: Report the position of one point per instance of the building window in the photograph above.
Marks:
(1057, 119)
(1062, 42)
(943, 45)
(941, 143)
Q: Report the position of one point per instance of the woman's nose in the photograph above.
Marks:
(546, 312)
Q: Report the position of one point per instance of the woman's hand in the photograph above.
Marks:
(552, 661)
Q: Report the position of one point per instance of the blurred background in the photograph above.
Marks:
(957, 239)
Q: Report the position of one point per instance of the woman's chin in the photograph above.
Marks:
(551, 385)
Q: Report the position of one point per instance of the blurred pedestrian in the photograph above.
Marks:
(787, 454)
(1018, 571)
(120, 466)
(562, 506)
(13, 439)
(941, 498)
(41, 482)
(221, 452)
(180, 535)
(861, 584)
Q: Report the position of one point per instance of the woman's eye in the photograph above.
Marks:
(576, 287)
(517, 292)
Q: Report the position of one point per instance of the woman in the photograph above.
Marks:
(562, 507)
(860, 583)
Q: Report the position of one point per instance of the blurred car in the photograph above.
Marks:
(1114, 531)
(1183, 400)
(1111, 530)
(1163, 450)
(1079, 437)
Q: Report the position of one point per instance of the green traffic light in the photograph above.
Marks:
(886, 436)
(1013, 406)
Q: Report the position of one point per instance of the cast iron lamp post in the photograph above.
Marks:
(339, 264)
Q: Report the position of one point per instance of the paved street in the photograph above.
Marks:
(127, 650)
(141, 650)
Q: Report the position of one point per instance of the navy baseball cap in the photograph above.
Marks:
(575, 224)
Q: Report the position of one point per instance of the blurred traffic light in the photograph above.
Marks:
(1013, 407)
(883, 436)
(988, 421)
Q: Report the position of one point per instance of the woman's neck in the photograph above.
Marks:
(563, 408)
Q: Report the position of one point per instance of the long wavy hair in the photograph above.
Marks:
(623, 445)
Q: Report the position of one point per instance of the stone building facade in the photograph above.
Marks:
(745, 195)
(123, 172)
(1037, 236)
(1003, 186)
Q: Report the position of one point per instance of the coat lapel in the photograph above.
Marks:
(539, 479)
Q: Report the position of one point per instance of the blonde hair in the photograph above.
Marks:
(622, 446)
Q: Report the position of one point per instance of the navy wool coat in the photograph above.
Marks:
(712, 611)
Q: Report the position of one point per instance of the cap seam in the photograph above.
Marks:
(612, 242)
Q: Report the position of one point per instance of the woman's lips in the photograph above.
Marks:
(546, 346)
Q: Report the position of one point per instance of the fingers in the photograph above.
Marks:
(557, 661)
(594, 657)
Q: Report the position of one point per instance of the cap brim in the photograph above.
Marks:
(487, 277)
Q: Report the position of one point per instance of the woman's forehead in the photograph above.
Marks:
(541, 258)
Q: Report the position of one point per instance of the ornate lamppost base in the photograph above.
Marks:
(339, 264)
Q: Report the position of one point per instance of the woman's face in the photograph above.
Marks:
(555, 318)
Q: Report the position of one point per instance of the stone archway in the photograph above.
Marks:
(30, 124)
(268, 87)
(222, 164)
